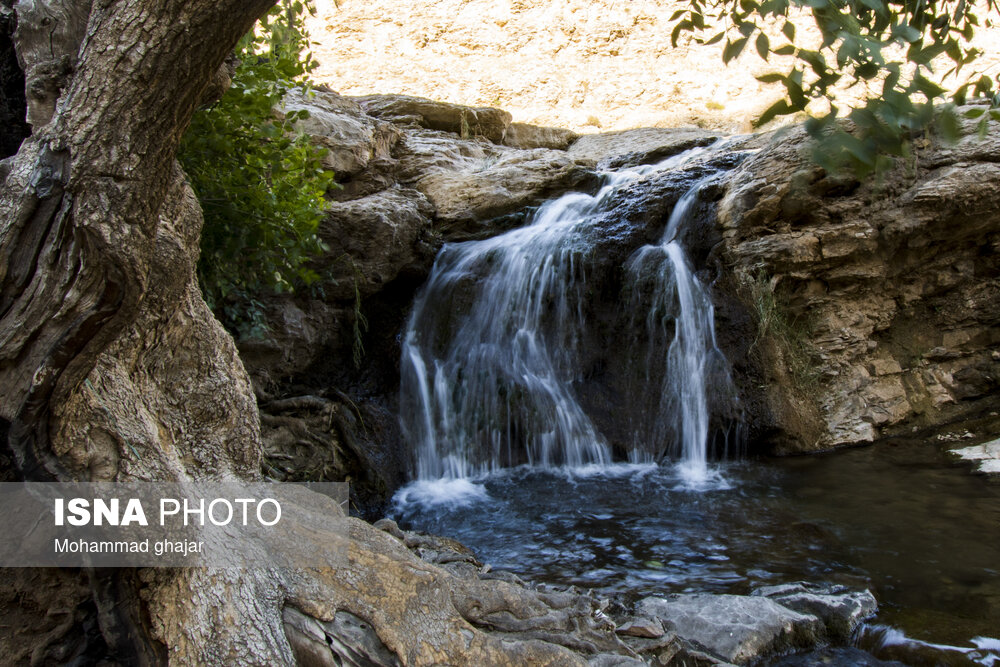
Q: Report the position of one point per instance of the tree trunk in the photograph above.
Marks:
(93, 210)
(113, 368)
(80, 207)
(13, 128)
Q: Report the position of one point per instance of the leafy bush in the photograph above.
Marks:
(886, 42)
(260, 182)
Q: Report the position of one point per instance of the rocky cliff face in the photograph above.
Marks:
(413, 174)
(880, 301)
(849, 311)
(589, 65)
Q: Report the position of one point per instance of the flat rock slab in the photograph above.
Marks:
(645, 145)
(650, 628)
(470, 182)
(737, 628)
(462, 120)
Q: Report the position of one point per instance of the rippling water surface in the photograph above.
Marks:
(922, 532)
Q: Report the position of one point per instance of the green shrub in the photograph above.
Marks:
(260, 182)
(890, 51)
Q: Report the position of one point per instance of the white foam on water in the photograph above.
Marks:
(890, 636)
(453, 492)
(698, 476)
(988, 643)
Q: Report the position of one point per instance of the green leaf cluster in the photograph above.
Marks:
(889, 44)
(260, 181)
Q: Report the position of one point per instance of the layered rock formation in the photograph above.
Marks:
(849, 311)
(412, 174)
(879, 301)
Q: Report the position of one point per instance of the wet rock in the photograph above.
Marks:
(894, 647)
(647, 145)
(673, 650)
(834, 656)
(840, 609)
(737, 628)
(635, 216)
(467, 122)
(689, 655)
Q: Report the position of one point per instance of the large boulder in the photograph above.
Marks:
(523, 135)
(352, 138)
(737, 628)
(471, 183)
(840, 609)
(374, 238)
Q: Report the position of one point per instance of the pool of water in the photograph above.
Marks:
(902, 518)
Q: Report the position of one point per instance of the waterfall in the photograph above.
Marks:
(677, 301)
(489, 357)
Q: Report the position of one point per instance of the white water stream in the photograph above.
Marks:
(489, 359)
(681, 305)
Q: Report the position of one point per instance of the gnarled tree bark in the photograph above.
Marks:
(111, 89)
(113, 368)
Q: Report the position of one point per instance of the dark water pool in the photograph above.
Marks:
(902, 518)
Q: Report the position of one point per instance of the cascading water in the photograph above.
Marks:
(489, 359)
(568, 341)
(665, 288)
